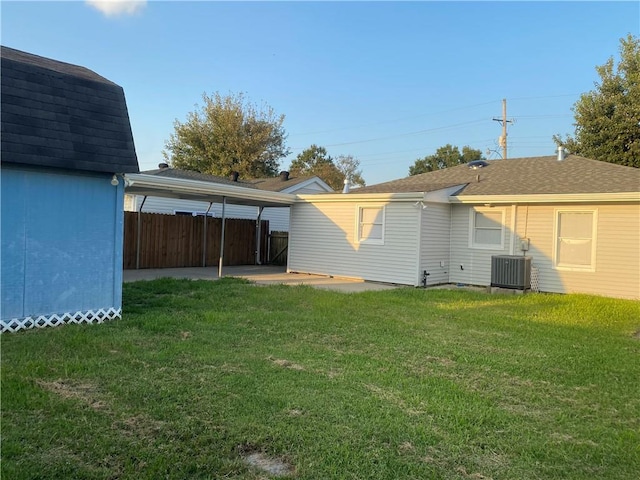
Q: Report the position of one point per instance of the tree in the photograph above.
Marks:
(348, 167)
(447, 156)
(607, 119)
(316, 161)
(226, 134)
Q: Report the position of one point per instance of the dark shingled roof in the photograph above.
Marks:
(522, 176)
(271, 184)
(60, 115)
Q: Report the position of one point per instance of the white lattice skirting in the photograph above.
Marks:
(42, 321)
(535, 279)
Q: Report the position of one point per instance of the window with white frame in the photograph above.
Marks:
(370, 227)
(575, 239)
(486, 228)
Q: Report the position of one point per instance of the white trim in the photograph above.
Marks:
(42, 321)
(360, 197)
(306, 183)
(512, 243)
(549, 198)
(594, 235)
(421, 213)
(436, 196)
(370, 241)
(472, 228)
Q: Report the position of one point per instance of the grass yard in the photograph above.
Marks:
(206, 380)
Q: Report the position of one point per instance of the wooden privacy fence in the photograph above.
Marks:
(173, 241)
(278, 246)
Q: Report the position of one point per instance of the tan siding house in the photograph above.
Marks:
(576, 218)
(347, 236)
(616, 253)
(435, 240)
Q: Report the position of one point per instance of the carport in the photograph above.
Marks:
(212, 193)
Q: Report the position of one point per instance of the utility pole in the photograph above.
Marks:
(503, 121)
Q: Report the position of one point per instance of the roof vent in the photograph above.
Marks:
(284, 175)
(347, 186)
(562, 154)
(163, 165)
(234, 176)
(476, 164)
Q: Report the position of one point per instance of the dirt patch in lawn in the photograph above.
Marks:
(68, 389)
(274, 466)
(285, 363)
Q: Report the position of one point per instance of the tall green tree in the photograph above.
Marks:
(226, 134)
(607, 119)
(316, 161)
(447, 156)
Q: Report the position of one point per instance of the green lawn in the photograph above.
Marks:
(401, 384)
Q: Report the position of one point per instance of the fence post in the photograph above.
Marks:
(224, 203)
(138, 232)
(258, 236)
(204, 236)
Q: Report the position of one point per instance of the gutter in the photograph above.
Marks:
(548, 198)
(143, 184)
(360, 197)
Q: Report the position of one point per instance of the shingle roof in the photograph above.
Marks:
(277, 184)
(56, 114)
(271, 184)
(522, 176)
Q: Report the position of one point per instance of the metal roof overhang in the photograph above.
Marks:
(152, 185)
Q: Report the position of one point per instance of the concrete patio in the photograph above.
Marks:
(261, 275)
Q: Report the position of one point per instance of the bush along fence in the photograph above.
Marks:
(174, 241)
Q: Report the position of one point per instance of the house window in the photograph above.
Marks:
(370, 228)
(486, 228)
(575, 240)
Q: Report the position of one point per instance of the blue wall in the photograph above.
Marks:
(61, 247)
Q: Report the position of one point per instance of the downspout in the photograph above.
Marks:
(204, 236)
(289, 236)
(418, 260)
(144, 199)
(224, 203)
(512, 243)
(118, 258)
(258, 235)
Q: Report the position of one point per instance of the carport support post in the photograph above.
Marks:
(144, 199)
(224, 203)
(258, 236)
(204, 236)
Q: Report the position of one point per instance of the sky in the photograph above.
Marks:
(385, 82)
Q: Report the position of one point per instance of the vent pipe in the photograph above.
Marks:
(561, 153)
(234, 176)
(347, 187)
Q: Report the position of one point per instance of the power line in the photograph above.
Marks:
(394, 121)
(418, 132)
(432, 114)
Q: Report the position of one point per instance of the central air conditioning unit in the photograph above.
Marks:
(511, 271)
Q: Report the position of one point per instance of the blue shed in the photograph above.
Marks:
(66, 141)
